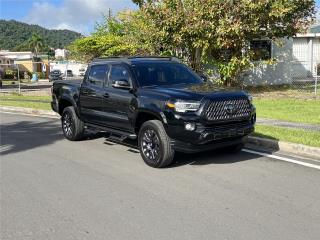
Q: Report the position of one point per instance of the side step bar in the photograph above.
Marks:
(122, 134)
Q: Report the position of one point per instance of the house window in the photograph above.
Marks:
(8, 62)
(261, 49)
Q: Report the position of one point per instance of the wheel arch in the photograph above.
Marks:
(67, 102)
(143, 116)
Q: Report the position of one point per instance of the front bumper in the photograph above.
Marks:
(207, 136)
(194, 148)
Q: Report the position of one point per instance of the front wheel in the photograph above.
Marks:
(72, 126)
(154, 144)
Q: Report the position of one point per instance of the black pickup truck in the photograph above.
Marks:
(159, 101)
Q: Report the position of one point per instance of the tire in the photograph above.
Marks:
(154, 145)
(72, 126)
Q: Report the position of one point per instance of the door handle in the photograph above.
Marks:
(106, 95)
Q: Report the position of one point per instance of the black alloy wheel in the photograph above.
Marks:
(72, 126)
(155, 145)
(67, 124)
(151, 145)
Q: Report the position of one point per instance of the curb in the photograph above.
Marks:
(252, 142)
(287, 147)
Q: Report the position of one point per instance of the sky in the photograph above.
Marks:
(77, 15)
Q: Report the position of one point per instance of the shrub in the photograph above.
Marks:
(10, 74)
(41, 75)
(25, 75)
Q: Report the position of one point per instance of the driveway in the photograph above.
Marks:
(52, 188)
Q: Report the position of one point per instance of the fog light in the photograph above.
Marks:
(190, 126)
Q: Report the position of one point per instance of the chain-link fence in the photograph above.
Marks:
(10, 77)
(294, 79)
(17, 77)
(304, 80)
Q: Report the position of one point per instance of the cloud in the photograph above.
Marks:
(77, 15)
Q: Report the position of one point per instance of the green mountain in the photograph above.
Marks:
(14, 36)
(315, 29)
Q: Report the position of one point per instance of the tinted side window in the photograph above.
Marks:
(118, 72)
(97, 74)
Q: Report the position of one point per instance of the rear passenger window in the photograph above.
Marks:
(97, 74)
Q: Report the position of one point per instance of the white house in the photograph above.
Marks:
(275, 74)
(5, 62)
(297, 60)
(60, 53)
(8, 59)
(306, 55)
(5, 54)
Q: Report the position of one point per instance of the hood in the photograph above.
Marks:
(196, 91)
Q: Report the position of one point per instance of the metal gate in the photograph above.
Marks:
(306, 62)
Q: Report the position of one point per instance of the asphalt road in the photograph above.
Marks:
(95, 189)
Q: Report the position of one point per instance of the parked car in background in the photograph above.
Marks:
(82, 71)
(55, 75)
(68, 75)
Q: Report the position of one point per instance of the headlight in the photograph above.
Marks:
(184, 106)
(250, 98)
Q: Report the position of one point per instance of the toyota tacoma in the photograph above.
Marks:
(159, 101)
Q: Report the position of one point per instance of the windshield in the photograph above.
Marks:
(160, 73)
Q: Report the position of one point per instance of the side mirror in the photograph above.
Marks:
(203, 77)
(122, 83)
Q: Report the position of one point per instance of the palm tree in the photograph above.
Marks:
(35, 43)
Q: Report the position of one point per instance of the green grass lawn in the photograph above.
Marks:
(310, 138)
(20, 97)
(26, 101)
(293, 110)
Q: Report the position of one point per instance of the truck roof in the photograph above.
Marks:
(132, 60)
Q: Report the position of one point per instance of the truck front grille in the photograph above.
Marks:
(227, 109)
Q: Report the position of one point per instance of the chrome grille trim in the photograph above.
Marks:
(216, 109)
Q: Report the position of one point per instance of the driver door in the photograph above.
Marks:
(116, 100)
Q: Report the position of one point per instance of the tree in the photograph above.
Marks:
(125, 34)
(36, 43)
(220, 31)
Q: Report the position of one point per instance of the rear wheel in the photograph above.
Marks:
(72, 126)
(154, 144)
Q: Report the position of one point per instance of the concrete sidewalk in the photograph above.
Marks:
(295, 125)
